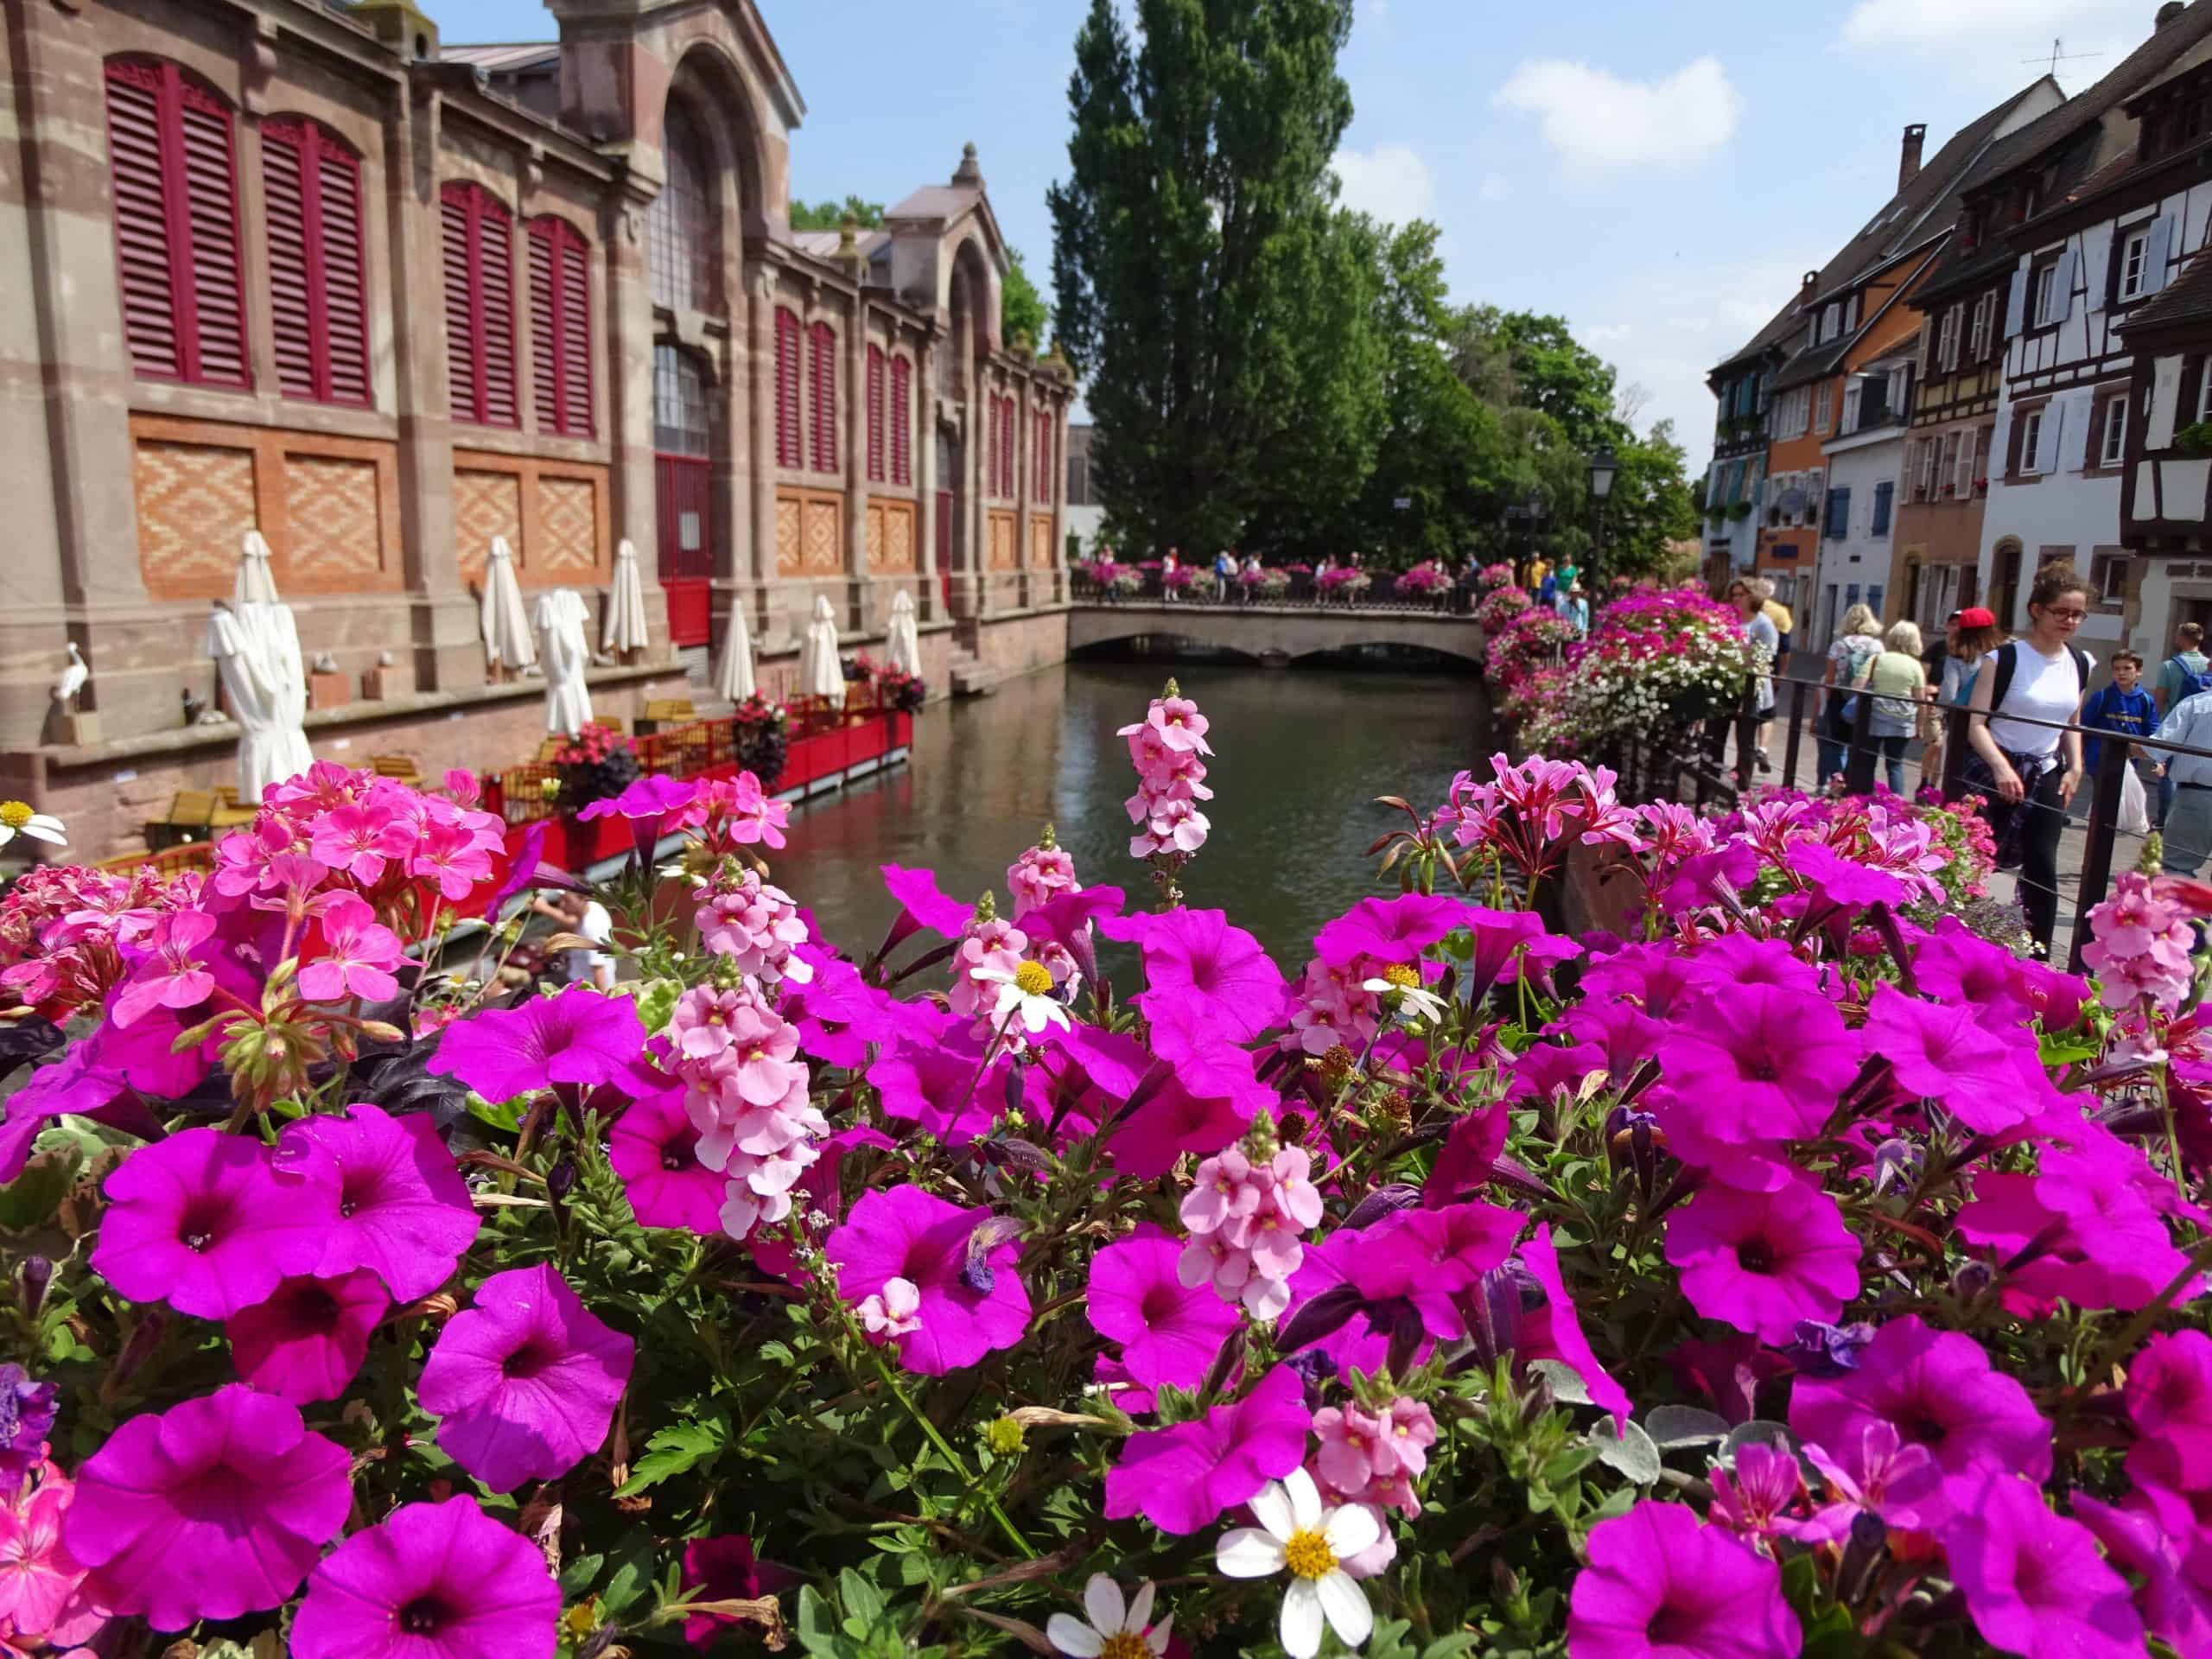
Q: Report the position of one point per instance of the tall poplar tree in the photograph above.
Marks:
(1205, 286)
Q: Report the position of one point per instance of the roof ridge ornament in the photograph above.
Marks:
(968, 171)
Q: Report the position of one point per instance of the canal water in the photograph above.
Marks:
(1299, 756)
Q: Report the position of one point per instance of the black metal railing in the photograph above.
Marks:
(1302, 594)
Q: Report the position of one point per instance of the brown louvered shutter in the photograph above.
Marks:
(495, 262)
(1041, 469)
(461, 332)
(217, 273)
(291, 313)
(141, 231)
(1007, 437)
(902, 423)
(788, 450)
(876, 414)
(345, 271)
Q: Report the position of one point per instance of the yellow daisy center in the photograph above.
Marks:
(1308, 1555)
(1033, 979)
(15, 814)
(1403, 975)
(1124, 1644)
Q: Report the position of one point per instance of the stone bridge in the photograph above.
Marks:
(1274, 633)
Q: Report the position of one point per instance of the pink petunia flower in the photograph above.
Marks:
(578, 1036)
(2174, 1573)
(1555, 1332)
(725, 1569)
(199, 1221)
(1941, 1051)
(654, 1148)
(526, 1380)
(358, 954)
(234, 1484)
(971, 1300)
(1763, 1065)
(1390, 929)
(1182, 1478)
(1937, 1389)
(2170, 1398)
(1762, 1261)
(390, 1198)
(308, 1340)
(1659, 1585)
(924, 903)
(2036, 1584)
(1210, 974)
(1169, 1332)
(431, 1581)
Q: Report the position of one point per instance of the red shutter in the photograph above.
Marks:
(991, 452)
(461, 332)
(575, 335)
(788, 452)
(291, 311)
(545, 329)
(560, 329)
(312, 198)
(176, 191)
(1040, 467)
(345, 271)
(479, 270)
(1007, 438)
(876, 414)
(496, 280)
(823, 392)
(902, 421)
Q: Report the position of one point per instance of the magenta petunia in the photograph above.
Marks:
(578, 1036)
(968, 1309)
(839, 1015)
(2173, 1574)
(1761, 1064)
(1209, 1101)
(654, 1148)
(1660, 1586)
(1843, 881)
(725, 1569)
(2170, 1398)
(526, 1380)
(1168, 1333)
(1428, 1257)
(1941, 1051)
(233, 1484)
(199, 1221)
(1182, 1478)
(431, 1581)
(1937, 1389)
(1206, 971)
(1762, 1261)
(918, 893)
(1390, 929)
(308, 1340)
(401, 1208)
(1554, 1332)
(2034, 1584)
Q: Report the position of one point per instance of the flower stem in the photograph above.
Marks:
(945, 1451)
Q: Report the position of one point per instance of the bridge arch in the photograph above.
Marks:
(1278, 635)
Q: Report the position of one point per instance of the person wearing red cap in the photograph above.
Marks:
(1972, 634)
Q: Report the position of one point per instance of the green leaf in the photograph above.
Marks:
(1673, 1427)
(32, 1197)
(656, 999)
(1566, 1381)
(863, 1602)
(1566, 1464)
(578, 1576)
(1633, 1453)
(632, 1574)
(675, 1449)
(1757, 1432)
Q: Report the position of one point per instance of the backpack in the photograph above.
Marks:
(2008, 658)
(2191, 683)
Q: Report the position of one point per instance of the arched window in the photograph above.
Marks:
(479, 271)
(822, 395)
(680, 418)
(680, 243)
(318, 310)
(788, 451)
(172, 168)
(1006, 418)
(560, 326)
(876, 390)
(902, 421)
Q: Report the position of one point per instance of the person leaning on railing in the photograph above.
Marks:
(2026, 764)
(2187, 833)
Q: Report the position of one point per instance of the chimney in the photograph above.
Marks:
(2167, 13)
(1806, 289)
(1909, 157)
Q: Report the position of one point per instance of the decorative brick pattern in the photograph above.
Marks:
(195, 502)
(875, 536)
(787, 518)
(824, 538)
(890, 537)
(1041, 541)
(332, 521)
(1006, 552)
(567, 526)
(486, 505)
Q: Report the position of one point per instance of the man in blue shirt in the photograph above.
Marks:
(2122, 707)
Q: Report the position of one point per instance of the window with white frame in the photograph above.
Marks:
(1924, 479)
(2108, 578)
(2134, 264)
(1831, 321)
(1823, 409)
(1852, 400)
(1978, 337)
(1791, 411)
(2046, 294)
(1946, 338)
(2031, 440)
(1900, 393)
(2113, 448)
(2203, 396)
(1947, 466)
(1962, 466)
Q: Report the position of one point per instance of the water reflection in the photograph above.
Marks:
(1300, 756)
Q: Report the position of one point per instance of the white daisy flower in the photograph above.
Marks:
(1027, 989)
(1297, 1533)
(1415, 1001)
(1113, 1632)
(17, 818)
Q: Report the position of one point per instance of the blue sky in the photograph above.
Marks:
(1660, 176)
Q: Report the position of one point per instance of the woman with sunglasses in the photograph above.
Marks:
(2026, 773)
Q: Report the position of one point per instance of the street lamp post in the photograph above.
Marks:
(1603, 468)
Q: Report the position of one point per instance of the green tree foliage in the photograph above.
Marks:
(831, 215)
(1021, 308)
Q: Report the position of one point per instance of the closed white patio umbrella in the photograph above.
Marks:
(625, 628)
(904, 645)
(561, 621)
(733, 674)
(820, 675)
(255, 646)
(506, 627)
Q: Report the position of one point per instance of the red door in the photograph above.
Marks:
(687, 552)
(944, 548)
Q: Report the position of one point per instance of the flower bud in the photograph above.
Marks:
(31, 1281)
(1005, 1437)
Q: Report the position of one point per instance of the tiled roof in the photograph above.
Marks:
(508, 58)
(935, 201)
(2189, 300)
(827, 245)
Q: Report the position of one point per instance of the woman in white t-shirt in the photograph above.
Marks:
(2026, 767)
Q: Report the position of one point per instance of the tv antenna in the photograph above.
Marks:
(2059, 54)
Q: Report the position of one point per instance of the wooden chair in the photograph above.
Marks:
(194, 855)
(400, 768)
(860, 700)
(230, 811)
(522, 792)
(549, 748)
(122, 863)
(665, 711)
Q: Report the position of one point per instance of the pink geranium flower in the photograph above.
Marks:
(1937, 1389)
(359, 839)
(234, 1484)
(654, 1148)
(1182, 1478)
(450, 856)
(578, 1036)
(526, 1380)
(389, 1194)
(308, 1339)
(1762, 1261)
(971, 1302)
(199, 1221)
(431, 1581)
(38, 1578)
(1169, 1332)
(172, 975)
(1659, 1585)
(358, 954)
(2036, 1585)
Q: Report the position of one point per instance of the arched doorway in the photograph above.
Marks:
(684, 474)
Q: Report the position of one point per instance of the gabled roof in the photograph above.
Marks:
(2188, 300)
(1913, 216)
(506, 58)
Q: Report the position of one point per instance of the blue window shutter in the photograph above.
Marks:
(1838, 516)
(2068, 262)
(1882, 494)
(2016, 305)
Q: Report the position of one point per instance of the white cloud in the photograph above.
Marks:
(1389, 182)
(1917, 22)
(1600, 123)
